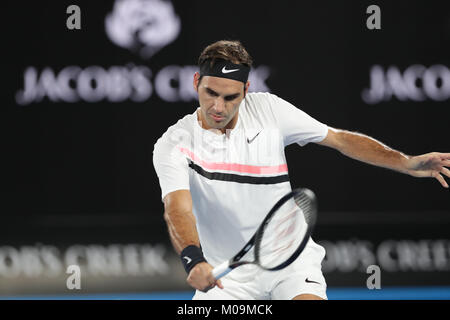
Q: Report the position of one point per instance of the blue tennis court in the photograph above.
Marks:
(392, 293)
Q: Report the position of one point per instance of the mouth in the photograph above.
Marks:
(217, 118)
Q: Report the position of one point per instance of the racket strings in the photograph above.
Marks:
(285, 234)
(306, 203)
(282, 235)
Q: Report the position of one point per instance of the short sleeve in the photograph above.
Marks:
(171, 166)
(295, 125)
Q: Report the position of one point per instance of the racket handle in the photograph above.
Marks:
(221, 270)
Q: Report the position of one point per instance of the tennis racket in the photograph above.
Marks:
(282, 235)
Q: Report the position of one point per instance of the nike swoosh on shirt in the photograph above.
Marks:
(311, 281)
(251, 140)
(224, 70)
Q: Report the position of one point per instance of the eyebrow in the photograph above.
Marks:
(228, 97)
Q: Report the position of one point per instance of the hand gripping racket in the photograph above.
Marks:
(282, 235)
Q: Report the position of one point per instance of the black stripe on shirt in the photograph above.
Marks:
(236, 177)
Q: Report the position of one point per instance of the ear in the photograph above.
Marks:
(196, 79)
(247, 85)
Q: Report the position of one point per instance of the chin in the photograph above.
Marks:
(218, 125)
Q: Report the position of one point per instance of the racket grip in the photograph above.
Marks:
(221, 270)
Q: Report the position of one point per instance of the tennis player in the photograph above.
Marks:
(223, 167)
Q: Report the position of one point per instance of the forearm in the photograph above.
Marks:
(364, 148)
(182, 229)
(183, 234)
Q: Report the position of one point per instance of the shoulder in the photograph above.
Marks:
(177, 134)
(263, 105)
(263, 101)
(261, 98)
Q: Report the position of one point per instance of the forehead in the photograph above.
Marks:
(222, 85)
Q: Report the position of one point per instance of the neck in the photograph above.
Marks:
(230, 125)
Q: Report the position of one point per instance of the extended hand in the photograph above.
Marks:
(430, 165)
(201, 277)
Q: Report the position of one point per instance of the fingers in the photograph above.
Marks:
(432, 165)
(219, 284)
(442, 155)
(440, 178)
(445, 171)
(207, 288)
(446, 163)
(201, 278)
(445, 155)
(214, 282)
(203, 286)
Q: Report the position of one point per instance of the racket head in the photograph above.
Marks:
(285, 231)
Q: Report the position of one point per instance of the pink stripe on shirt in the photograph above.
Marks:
(243, 168)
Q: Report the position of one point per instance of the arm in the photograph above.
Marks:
(180, 220)
(363, 148)
(172, 170)
(183, 232)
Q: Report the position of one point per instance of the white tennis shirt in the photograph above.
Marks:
(234, 178)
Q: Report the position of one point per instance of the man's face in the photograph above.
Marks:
(219, 100)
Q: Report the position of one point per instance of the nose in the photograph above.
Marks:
(219, 105)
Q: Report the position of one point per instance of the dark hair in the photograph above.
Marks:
(230, 50)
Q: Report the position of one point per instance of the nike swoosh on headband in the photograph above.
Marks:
(224, 70)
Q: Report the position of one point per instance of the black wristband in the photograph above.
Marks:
(190, 256)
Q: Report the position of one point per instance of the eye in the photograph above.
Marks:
(230, 98)
(211, 93)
